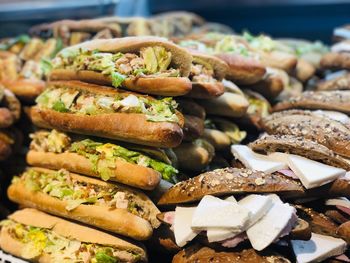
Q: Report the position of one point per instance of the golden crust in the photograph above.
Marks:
(124, 172)
(25, 89)
(204, 90)
(163, 86)
(335, 61)
(280, 60)
(270, 86)
(119, 221)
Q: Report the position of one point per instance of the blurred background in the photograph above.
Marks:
(310, 19)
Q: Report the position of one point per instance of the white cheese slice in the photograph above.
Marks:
(258, 205)
(219, 234)
(212, 212)
(318, 248)
(334, 115)
(231, 199)
(342, 201)
(275, 199)
(270, 226)
(182, 225)
(311, 173)
(254, 160)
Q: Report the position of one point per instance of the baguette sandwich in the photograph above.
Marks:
(111, 207)
(336, 82)
(338, 57)
(39, 237)
(326, 131)
(140, 167)
(148, 65)
(10, 108)
(206, 75)
(243, 65)
(89, 109)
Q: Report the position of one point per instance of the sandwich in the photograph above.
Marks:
(111, 207)
(206, 75)
(72, 32)
(140, 167)
(10, 108)
(336, 82)
(271, 85)
(338, 209)
(39, 237)
(194, 155)
(230, 104)
(90, 109)
(338, 57)
(201, 254)
(243, 65)
(221, 133)
(317, 127)
(272, 53)
(227, 223)
(148, 65)
(335, 100)
(298, 159)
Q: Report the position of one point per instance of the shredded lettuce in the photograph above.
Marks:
(59, 106)
(117, 79)
(104, 256)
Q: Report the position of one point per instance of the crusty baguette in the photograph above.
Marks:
(25, 89)
(325, 131)
(201, 254)
(193, 128)
(334, 60)
(339, 83)
(278, 59)
(64, 228)
(299, 146)
(194, 157)
(228, 104)
(124, 172)
(336, 100)
(119, 221)
(270, 86)
(243, 70)
(229, 181)
(304, 70)
(217, 138)
(130, 127)
(163, 86)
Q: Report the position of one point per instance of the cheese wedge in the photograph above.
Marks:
(182, 225)
(212, 212)
(255, 161)
(313, 174)
(342, 201)
(318, 248)
(270, 227)
(258, 205)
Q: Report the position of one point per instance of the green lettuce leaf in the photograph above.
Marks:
(117, 79)
(102, 257)
(59, 106)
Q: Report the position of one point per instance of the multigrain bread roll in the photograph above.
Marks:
(26, 231)
(89, 109)
(330, 133)
(111, 207)
(150, 65)
(336, 100)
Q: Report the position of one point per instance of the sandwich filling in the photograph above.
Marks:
(150, 62)
(74, 191)
(201, 71)
(36, 241)
(68, 100)
(227, 127)
(102, 156)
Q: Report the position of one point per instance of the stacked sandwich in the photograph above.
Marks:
(63, 156)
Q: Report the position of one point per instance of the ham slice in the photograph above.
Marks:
(289, 173)
(234, 241)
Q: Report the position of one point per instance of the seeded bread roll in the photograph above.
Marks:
(201, 254)
(330, 133)
(230, 181)
(339, 83)
(299, 146)
(335, 61)
(320, 100)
